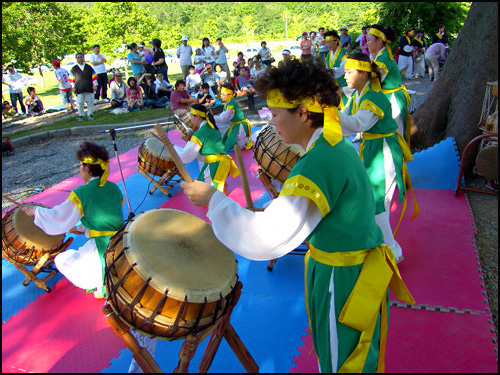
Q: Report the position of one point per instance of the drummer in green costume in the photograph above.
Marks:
(335, 60)
(98, 204)
(239, 131)
(328, 201)
(378, 39)
(206, 145)
(383, 151)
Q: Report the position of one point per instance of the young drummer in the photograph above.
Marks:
(206, 145)
(378, 40)
(369, 111)
(98, 204)
(328, 201)
(239, 131)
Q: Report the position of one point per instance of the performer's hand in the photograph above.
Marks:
(75, 231)
(198, 192)
(28, 210)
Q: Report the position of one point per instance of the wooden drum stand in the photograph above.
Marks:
(223, 329)
(165, 183)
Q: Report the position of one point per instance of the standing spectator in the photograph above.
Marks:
(440, 36)
(163, 87)
(118, 91)
(84, 81)
(97, 61)
(265, 54)
(434, 54)
(221, 51)
(210, 77)
(344, 37)
(323, 49)
(199, 61)
(64, 86)
(239, 57)
(208, 52)
(364, 41)
(159, 58)
(16, 93)
(222, 76)
(305, 46)
(418, 55)
(33, 103)
(363, 32)
(314, 44)
(405, 61)
(136, 61)
(180, 98)
(184, 53)
(192, 80)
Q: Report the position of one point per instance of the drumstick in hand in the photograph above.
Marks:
(173, 154)
(244, 180)
(12, 201)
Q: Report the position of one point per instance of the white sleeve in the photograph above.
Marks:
(265, 235)
(348, 91)
(188, 153)
(362, 121)
(57, 220)
(339, 72)
(408, 48)
(224, 117)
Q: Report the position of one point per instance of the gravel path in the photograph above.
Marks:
(42, 164)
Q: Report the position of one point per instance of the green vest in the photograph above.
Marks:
(230, 137)
(373, 152)
(393, 77)
(210, 143)
(334, 61)
(335, 180)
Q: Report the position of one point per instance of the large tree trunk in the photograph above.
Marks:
(453, 107)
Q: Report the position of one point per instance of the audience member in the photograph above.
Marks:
(33, 102)
(64, 86)
(239, 57)
(257, 70)
(180, 98)
(440, 36)
(16, 92)
(192, 80)
(314, 44)
(363, 32)
(344, 37)
(150, 91)
(163, 87)
(97, 61)
(435, 53)
(222, 76)
(210, 77)
(265, 54)
(159, 58)
(208, 52)
(199, 61)
(305, 46)
(235, 69)
(405, 61)
(135, 99)
(347, 47)
(184, 53)
(205, 95)
(364, 41)
(243, 83)
(8, 111)
(136, 61)
(221, 60)
(323, 49)
(118, 91)
(83, 79)
(418, 55)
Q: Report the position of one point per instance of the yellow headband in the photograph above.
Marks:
(331, 126)
(331, 37)
(382, 36)
(194, 111)
(225, 90)
(364, 66)
(104, 165)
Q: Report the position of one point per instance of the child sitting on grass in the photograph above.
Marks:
(8, 111)
(134, 99)
(33, 103)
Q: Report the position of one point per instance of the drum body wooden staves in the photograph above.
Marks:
(154, 158)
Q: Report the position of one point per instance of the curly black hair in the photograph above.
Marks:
(96, 151)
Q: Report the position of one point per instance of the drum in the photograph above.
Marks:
(23, 242)
(154, 158)
(274, 156)
(167, 275)
(185, 125)
(487, 162)
(412, 94)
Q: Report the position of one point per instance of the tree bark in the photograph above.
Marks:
(453, 107)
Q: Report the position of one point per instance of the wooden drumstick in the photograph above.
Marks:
(244, 180)
(173, 154)
(12, 201)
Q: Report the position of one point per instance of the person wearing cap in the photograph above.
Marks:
(97, 61)
(118, 91)
(335, 61)
(159, 62)
(64, 86)
(440, 36)
(418, 55)
(287, 56)
(405, 60)
(257, 69)
(344, 37)
(184, 53)
(305, 46)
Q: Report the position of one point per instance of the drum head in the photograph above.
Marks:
(157, 148)
(32, 234)
(180, 252)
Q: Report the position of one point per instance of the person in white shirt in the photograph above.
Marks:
(257, 69)
(221, 51)
(184, 53)
(65, 92)
(118, 91)
(97, 61)
(208, 52)
(434, 54)
(163, 87)
(192, 80)
(16, 92)
(265, 54)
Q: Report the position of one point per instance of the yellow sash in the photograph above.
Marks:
(407, 156)
(100, 233)
(367, 297)
(226, 166)
(247, 124)
(408, 117)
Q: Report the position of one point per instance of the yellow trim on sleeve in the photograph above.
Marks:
(382, 66)
(74, 198)
(196, 140)
(302, 186)
(372, 107)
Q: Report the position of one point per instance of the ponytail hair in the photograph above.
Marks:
(209, 116)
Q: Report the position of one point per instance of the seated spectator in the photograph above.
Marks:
(8, 111)
(347, 47)
(210, 77)
(257, 70)
(151, 93)
(33, 103)
(163, 88)
(357, 48)
(192, 80)
(239, 58)
(205, 95)
(243, 83)
(118, 91)
(236, 69)
(241, 64)
(134, 95)
(250, 64)
(222, 76)
(199, 61)
(180, 98)
(286, 57)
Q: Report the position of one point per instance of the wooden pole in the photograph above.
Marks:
(12, 201)
(244, 180)
(173, 154)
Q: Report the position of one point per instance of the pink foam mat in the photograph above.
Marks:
(59, 332)
(441, 265)
(426, 342)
